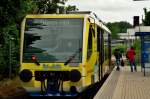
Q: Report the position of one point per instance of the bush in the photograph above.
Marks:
(2, 62)
(137, 46)
(121, 47)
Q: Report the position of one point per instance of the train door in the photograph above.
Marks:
(100, 49)
(106, 53)
(91, 58)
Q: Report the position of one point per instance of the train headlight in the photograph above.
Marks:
(25, 75)
(75, 75)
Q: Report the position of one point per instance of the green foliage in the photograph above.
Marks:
(146, 20)
(2, 61)
(50, 7)
(13, 11)
(11, 14)
(71, 8)
(137, 46)
(121, 47)
(118, 27)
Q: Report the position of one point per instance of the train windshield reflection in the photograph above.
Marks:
(52, 40)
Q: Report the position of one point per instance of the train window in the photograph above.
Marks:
(89, 50)
(98, 39)
(106, 45)
(102, 46)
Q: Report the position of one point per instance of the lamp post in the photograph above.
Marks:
(10, 67)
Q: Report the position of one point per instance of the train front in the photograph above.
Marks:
(51, 55)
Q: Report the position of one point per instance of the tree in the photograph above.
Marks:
(146, 20)
(51, 6)
(11, 15)
(71, 8)
(118, 27)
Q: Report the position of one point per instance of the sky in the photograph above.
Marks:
(113, 10)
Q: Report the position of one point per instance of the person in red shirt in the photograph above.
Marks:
(131, 58)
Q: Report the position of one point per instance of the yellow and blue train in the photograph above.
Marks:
(63, 54)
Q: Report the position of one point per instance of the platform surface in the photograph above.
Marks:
(125, 84)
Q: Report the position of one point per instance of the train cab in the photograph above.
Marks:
(63, 54)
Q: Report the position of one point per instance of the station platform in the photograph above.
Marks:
(125, 84)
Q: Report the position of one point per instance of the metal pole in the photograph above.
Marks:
(9, 57)
(128, 39)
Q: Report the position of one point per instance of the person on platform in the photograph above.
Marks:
(131, 57)
(118, 57)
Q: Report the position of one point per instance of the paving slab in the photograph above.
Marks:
(125, 84)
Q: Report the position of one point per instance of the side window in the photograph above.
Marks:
(89, 50)
(106, 45)
(98, 39)
(102, 46)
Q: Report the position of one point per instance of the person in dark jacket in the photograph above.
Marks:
(131, 58)
(118, 57)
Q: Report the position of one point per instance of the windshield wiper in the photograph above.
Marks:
(73, 56)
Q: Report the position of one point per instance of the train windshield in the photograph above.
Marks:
(52, 40)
